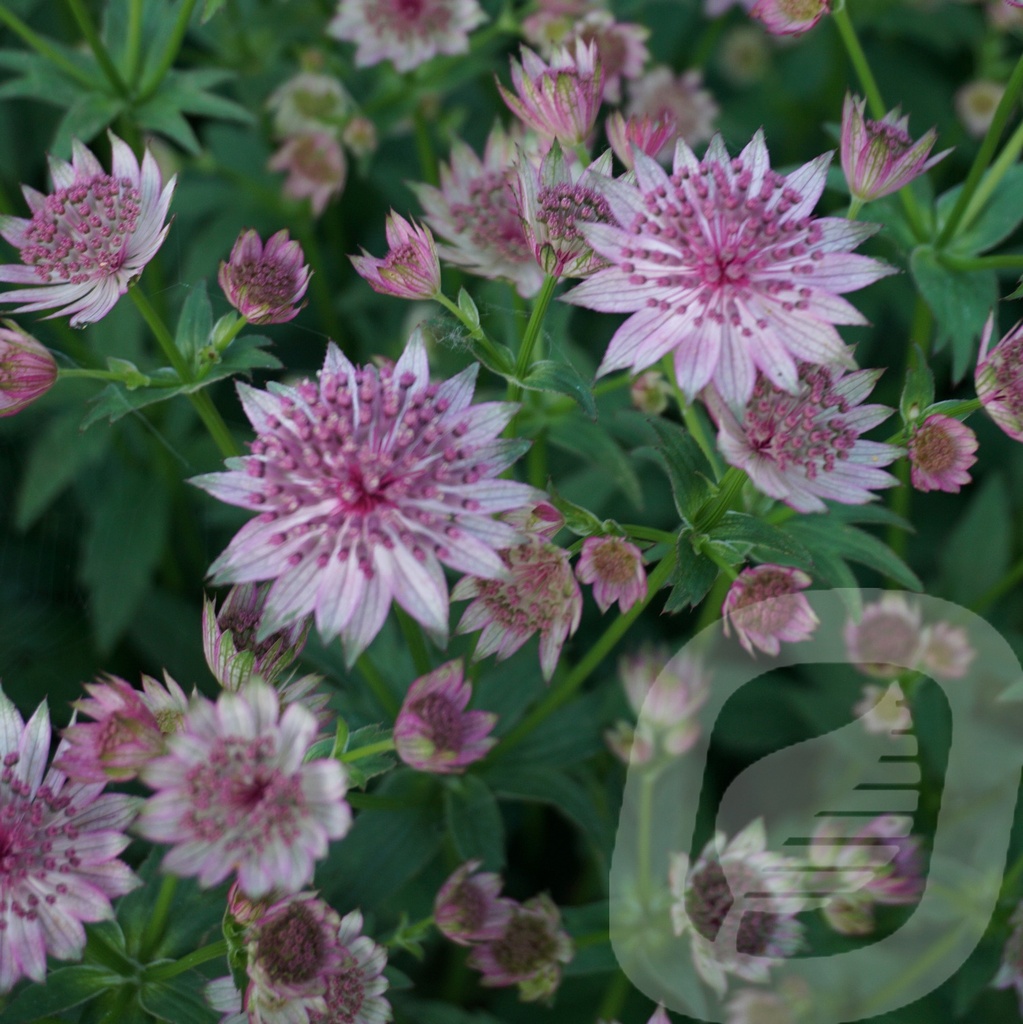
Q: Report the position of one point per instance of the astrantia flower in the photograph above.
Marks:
(887, 639)
(529, 952)
(621, 48)
(765, 607)
(946, 651)
(540, 596)
(879, 157)
(884, 711)
(941, 451)
(555, 201)
(722, 265)
(405, 32)
(649, 392)
(559, 100)
(316, 168)
(790, 17)
(704, 898)
(999, 378)
(804, 447)
(641, 131)
(366, 483)
(475, 211)
(410, 270)
(91, 237)
(59, 842)
(355, 989)
(265, 283)
(683, 99)
(27, 370)
(468, 907)
(785, 1003)
(615, 569)
(433, 732)
(309, 102)
(232, 794)
(975, 104)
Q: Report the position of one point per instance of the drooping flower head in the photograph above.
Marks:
(879, 157)
(433, 732)
(648, 134)
(805, 447)
(406, 32)
(765, 607)
(722, 265)
(887, 639)
(790, 17)
(232, 643)
(528, 953)
(232, 794)
(559, 100)
(540, 595)
(682, 99)
(941, 451)
(90, 237)
(316, 167)
(469, 908)
(265, 283)
(27, 370)
(410, 270)
(615, 569)
(999, 378)
(704, 898)
(59, 842)
(476, 212)
(365, 484)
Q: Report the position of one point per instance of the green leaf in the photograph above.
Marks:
(688, 471)
(694, 575)
(84, 120)
(468, 307)
(195, 325)
(189, 92)
(210, 8)
(562, 379)
(123, 543)
(592, 443)
(178, 999)
(997, 220)
(958, 409)
(1018, 293)
(765, 542)
(38, 79)
(474, 821)
(365, 768)
(63, 989)
(918, 389)
(589, 927)
(161, 114)
(959, 300)
(978, 550)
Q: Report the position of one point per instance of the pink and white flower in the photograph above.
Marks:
(648, 134)
(941, 451)
(621, 48)
(469, 908)
(806, 447)
(946, 651)
(884, 711)
(475, 210)
(559, 100)
(615, 569)
(309, 102)
(60, 841)
(316, 167)
(27, 369)
(265, 283)
(765, 608)
(538, 595)
(233, 794)
(91, 237)
(722, 265)
(406, 32)
(365, 484)
(888, 638)
(682, 99)
(410, 270)
(355, 991)
(790, 17)
(433, 732)
(999, 378)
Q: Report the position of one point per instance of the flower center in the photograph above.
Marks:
(613, 563)
(708, 899)
(526, 946)
(1006, 364)
(292, 946)
(490, 218)
(346, 992)
(562, 207)
(802, 10)
(266, 282)
(895, 140)
(934, 450)
(442, 719)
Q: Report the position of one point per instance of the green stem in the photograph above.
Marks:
(855, 205)
(370, 750)
(729, 570)
(592, 659)
(1005, 261)
(646, 813)
(99, 51)
(133, 55)
(378, 685)
(424, 148)
(902, 499)
(45, 49)
(710, 611)
(637, 532)
(232, 332)
(1010, 580)
(75, 374)
(162, 972)
(729, 488)
(477, 332)
(170, 54)
(543, 300)
(536, 461)
(984, 154)
(157, 923)
(1008, 156)
(412, 631)
(614, 997)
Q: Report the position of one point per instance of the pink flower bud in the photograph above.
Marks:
(27, 370)
(411, 268)
(265, 283)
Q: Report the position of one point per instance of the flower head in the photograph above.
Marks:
(90, 237)
(884, 711)
(232, 794)
(999, 378)
(790, 17)
(879, 157)
(621, 48)
(765, 607)
(946, 651)
(559, 100)
(941, 451)
(806, 447)
(309, 102)
(475, 210)
(410, 270)
(265, 283)
(540, 595)
(722, 265)
(433, 732)
(649, 392)
(887, 639)
(615, 568)
(648, 134)
(975, 104)
(27, 370)
(365, 484)
(468, 907)
(406, 32)
(355, 990)
(59, 841)
(681, 99)
(316, 168)
(529, 951)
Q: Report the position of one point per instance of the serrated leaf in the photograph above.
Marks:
(764, 540)
(592, 443)
(195, 324)
(474, 821)
(694, 575)
(561, 379)
(63, 989)
(188, 91)
(161, 114)
(688, 470)
(178, 999)
(997, 220)
(85, 119)
(918, 388)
